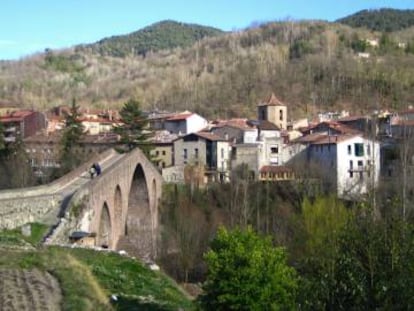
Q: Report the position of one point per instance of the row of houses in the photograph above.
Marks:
(188, 148)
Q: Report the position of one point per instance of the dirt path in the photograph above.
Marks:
(29, 290)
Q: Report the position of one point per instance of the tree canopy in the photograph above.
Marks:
(380, 20)
(162, 35)
(245, 272)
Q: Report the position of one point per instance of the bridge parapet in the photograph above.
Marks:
(42, 203)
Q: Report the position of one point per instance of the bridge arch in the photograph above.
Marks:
(138, 221)
(118, 207)
(104, 235)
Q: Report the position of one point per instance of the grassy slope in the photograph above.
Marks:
(88, 278)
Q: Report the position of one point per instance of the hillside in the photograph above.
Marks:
(311, 66)
(159, 36)
(57, 278)
(387, 20)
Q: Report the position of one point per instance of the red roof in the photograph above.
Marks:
(209, 136)
(237, 123)
(333, 139)
(322, 139)
(341, 128)
(16, 116)
(180, 117)
(272, 100)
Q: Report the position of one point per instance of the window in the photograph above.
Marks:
(222, 153)
(274, 149)
(359, 150)
(349, 150)
(196, 153)
(163, 164)
(185, 154)
(163, 152)
(369, 149)
(157, 153)
(351, 166)
(360, 164)
(281, 115)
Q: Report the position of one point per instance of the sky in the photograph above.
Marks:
(30, 26)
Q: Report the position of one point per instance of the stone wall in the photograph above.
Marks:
(17, 212)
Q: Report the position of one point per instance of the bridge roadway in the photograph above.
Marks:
(120, 206)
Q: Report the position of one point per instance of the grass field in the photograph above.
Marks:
(85, 278)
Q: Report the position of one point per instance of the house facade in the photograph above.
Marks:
(22, 123)
(185, 123)
(350, 162)
(205, 149)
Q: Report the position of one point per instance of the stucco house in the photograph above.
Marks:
(185, 123)
(206, 149)
(351, 162)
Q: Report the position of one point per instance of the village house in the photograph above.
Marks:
(204, 149)
(350, 162)
(22, 123)
(162, 151)
(43, 151)
(185, 123)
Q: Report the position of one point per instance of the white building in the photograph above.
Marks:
(350, 161)
(185, 123)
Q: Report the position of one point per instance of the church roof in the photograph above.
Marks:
(272, 100)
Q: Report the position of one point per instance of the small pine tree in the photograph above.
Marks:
(72, 134)
(133, 131)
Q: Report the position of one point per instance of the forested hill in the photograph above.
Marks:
(385, 20)
(311, 66)
(159, 36)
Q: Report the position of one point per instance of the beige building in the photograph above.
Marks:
(273, 110)
(162, 155)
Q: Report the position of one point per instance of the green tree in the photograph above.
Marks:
(133, 131)
(72, 134)
(245, 272)
(323, 220)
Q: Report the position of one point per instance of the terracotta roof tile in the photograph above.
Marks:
(209, 136)
(272, 100)
(180, 117)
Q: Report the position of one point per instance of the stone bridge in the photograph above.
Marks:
(119, 208)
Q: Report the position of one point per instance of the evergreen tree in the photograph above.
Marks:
(72, 134)
(133, 130)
